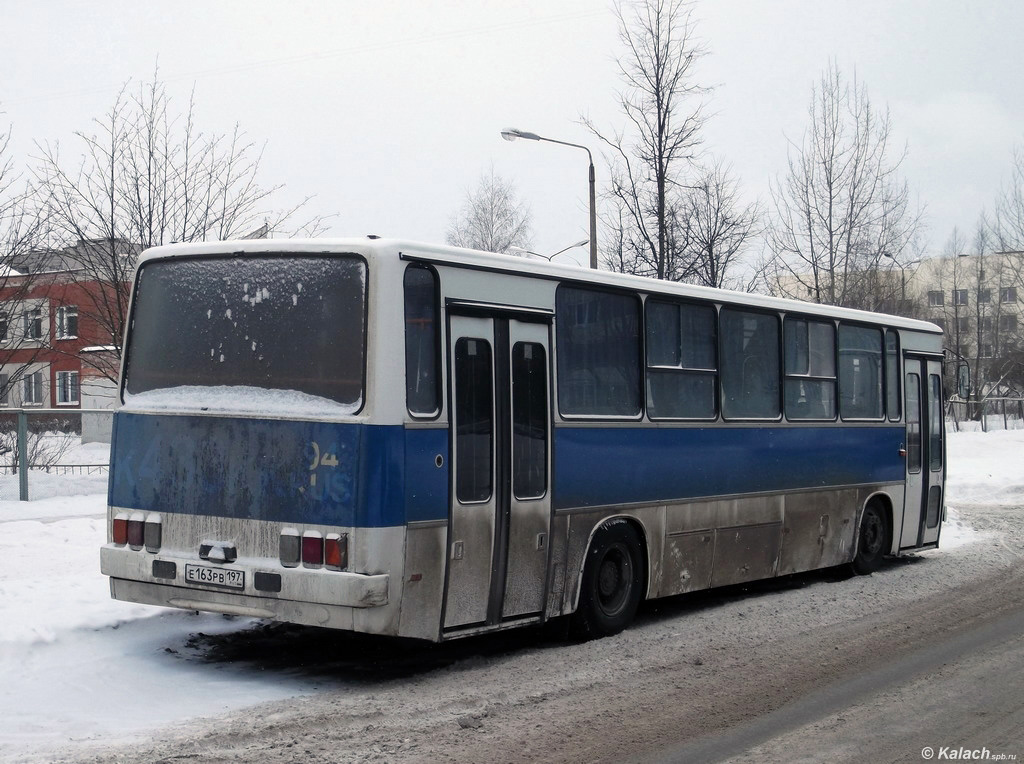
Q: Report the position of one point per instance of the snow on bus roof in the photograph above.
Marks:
(514, 265)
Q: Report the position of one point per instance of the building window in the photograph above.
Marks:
(935, 299)
(959, 296)
(33, 321)
(4, 328)
(67, 387)
(681, 360)
(810, 385)
(985, 351)
(1008, 294)
(5, 390)
(1008, 323)
(986, 323)
(32, 389)
(939, 322)
(963, 324)
(67, 323)
(984, 296)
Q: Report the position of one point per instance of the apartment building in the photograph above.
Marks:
(57, 343)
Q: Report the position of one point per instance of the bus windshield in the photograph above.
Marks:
(292, 322)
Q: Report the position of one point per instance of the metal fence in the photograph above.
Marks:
(1004, 413)
(50, 452)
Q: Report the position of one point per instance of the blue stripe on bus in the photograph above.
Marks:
(318, 473)
(376, 476)
(596, 466)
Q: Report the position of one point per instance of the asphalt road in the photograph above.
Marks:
(958, 691)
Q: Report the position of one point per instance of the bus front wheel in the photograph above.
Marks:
(612, 579)
(874, 541)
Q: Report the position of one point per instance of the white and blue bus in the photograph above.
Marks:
(429, 442)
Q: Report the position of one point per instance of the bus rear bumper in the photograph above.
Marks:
(317, 587)
(306, 613)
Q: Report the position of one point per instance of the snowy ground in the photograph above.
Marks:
(45, 485)
(79, 668)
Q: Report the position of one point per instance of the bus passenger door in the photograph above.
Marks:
(500, 507)
(935, 434)
(474, 501)
(529, 517)
(925, 441)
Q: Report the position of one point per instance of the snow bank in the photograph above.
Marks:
(49, 575)
(78, 666)
(43, 484)
(985, 468)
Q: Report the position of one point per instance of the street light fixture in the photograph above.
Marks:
(512, 134)
(903, 276)
(549, 258)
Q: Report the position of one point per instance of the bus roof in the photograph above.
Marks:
(520, 266)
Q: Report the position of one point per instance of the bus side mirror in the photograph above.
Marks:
(963, 381)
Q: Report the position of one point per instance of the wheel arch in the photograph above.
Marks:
(645, 562)
(884, 501)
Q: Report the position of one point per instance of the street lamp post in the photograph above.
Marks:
(549, 258)
(903, 278)
(512, 134)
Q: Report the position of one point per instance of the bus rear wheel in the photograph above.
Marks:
(612, 580)
(874, 541)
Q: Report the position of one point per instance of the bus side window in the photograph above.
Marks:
(474, 417)
(750, 364)
(913, 423)
(599, 360)
(935, 423)
(422, 341)
(529, 420)
(860, 372)
(810, 369)
(681, 363)
(892, 374)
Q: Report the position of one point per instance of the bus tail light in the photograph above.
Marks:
(312, 549)
(289, 548)
(119, 528)
(336, 551)
(136, 530)
(153, 533)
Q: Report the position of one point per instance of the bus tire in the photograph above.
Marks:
(873, 541)
(612, 580)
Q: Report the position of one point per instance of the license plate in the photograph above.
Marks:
(227, 577)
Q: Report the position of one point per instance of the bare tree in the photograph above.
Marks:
(664, 110)
(841, 206)
(1009, 219)
(982, 329)
(1008, 227)
(492, 218)
(150, 176)
(23, 228)
(952, 274)
(718, 225)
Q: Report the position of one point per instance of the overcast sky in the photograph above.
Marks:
(389, 112)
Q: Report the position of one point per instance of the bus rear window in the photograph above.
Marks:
(281, 323)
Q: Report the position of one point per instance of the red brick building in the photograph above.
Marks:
(56, 335)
